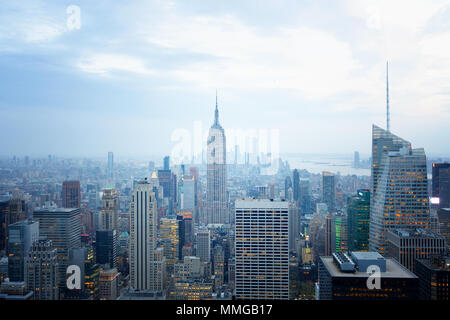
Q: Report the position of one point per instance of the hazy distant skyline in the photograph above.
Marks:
(137, 71)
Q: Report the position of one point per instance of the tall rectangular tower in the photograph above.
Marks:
(262, 249)
(328, 190)
(71, 196)
(143, 212)
(63, 227)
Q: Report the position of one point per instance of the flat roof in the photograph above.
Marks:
(362, 255)
(250, 203)
(393, 270)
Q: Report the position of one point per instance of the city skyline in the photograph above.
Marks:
(315, 72)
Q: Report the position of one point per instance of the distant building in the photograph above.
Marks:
(203, 245)
(328, 190)
(408, 245)
(344, 276)
(71, 196)
(110, 167)
(434, 275)
(110, 210)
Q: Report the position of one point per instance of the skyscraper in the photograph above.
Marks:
(216, 195)
(262, 267)
(358, 219)
(63, 227)
(143, 211)
(328, 190)
(440, 185)
(399, 197)
(296, 185)
(41, 270)
(110, 210)
(71, 197)
(171, 238)
(106, 243)
(21, 236)
(166, 163)
(203, 242)
(110, 167)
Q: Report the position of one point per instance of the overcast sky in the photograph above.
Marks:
(136, 71)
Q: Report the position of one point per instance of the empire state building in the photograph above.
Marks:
(216, 196)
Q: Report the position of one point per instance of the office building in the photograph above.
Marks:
(444, 224)
(110, 167)
(203, 245)
(108, 284)
(358, 219)
(89, 272)
(216, 191)
(399, 196)
(343, 276)
(262, 249)
(63, 227)
(305, 197)
(434, 275)
(110, 210)
(21, 236)
(71, 196)
(41, 270)
(143, 210)
(296, 185)
(328, 190)
(407, 245)
(15, 291)
(11, 211)
(440, 185)
(171, 238)
(106, 243)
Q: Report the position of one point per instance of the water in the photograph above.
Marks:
(319, 163)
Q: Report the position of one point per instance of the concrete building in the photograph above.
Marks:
(408, 245)
(345, 276)
(41, 270)
(262, 249)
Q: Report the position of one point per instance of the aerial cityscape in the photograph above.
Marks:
(104, 197)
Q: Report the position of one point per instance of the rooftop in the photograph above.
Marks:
(393, 270)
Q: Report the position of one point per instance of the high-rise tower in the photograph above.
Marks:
(143, 213)
(216, 196)
(399, 191)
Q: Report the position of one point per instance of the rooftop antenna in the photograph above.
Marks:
(388, 120)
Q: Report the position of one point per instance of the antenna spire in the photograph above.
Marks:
(216, 112)
(388, 120)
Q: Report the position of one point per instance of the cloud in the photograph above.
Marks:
(31, 22)
(108, 64)
(233, 54)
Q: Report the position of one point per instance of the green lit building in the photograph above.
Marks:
(358, 218)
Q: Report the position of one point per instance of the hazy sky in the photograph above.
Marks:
(136, 71)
